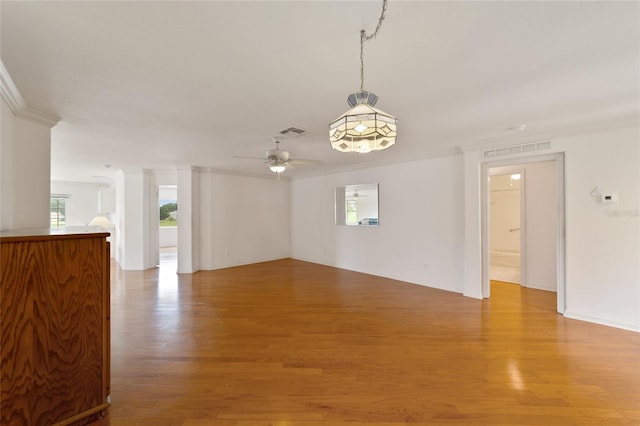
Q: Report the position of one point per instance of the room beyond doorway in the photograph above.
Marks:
(169, 257)
(505, 199)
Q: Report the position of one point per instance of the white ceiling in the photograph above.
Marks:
(163, 84)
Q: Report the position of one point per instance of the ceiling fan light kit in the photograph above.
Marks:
(277, 167)
(278, 160)
(363, 128)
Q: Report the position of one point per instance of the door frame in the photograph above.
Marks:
(559, 159)
(154, 226)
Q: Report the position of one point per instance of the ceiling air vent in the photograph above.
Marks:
(293, 131)
(517, 149)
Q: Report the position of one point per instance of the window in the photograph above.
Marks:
(57, 210)
(352, 211)
(168, 213)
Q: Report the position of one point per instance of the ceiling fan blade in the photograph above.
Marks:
(304, 161)
(249, 158)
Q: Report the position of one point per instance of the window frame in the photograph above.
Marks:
(58, 222)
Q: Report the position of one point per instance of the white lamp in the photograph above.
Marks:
(101, 221)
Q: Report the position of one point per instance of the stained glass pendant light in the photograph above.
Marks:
(363, 128)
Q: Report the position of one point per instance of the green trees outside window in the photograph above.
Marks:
(168, 213)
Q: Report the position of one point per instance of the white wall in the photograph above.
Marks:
(168, 236)
(603, 250)
(135, 190)
(165, 177)
(420, 237)
(83, 202)
(540, 229)
(25, 155)
(189, 234)
(242, 219)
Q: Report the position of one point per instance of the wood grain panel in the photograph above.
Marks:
(53, 326)
(68, 334)
(16, 317)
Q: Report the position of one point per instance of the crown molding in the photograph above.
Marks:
(392, 161)
(18, 106)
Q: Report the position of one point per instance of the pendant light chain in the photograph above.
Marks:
(364, 38)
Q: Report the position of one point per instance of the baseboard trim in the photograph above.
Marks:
(540, 287)
(396, 278)
(602, 321)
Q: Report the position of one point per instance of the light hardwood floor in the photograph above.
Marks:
(289, 343)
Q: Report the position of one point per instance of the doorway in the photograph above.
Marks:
(168, 227)
(540, 237)
(505, 202)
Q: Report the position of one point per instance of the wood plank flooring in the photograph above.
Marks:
(289, 343)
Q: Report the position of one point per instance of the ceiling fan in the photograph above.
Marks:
(357, 195)
(278, 160)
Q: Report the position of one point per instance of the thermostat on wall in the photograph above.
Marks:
(609, 197)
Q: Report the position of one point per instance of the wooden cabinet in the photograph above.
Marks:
(54, 325)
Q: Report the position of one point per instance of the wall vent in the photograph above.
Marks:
(517, 149)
